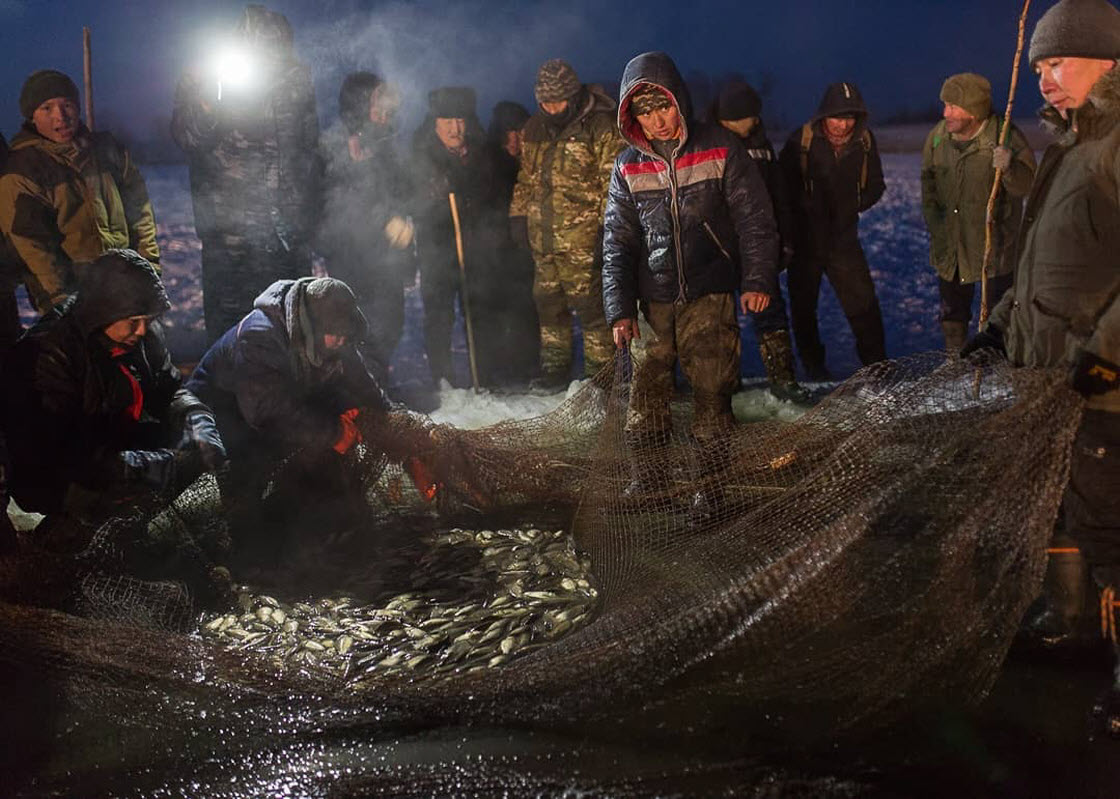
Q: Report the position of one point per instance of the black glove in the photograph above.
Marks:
(200, 432)
(1092, 374)
(990, 338)
(149, 468)
(519, 232)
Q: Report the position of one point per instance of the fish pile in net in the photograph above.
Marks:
(870, 559)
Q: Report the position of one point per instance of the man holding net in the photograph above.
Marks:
(688, 223)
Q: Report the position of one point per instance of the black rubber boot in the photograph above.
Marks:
(649, 471)
(1060, 624)
(777, 356)
(870, 338)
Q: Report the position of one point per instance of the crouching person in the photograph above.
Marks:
(94, 412)
(287, 385)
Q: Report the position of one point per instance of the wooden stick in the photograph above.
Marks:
(87, 68)
(990, 219)
(464, 292)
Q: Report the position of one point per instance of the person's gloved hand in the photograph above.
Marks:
(148, 468)
(349, 434)
(1001, 158)
(991, 337)
(200, 432)
(422, 477)
(399, 231)
(1093, 375)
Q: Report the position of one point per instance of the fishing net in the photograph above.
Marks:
(560, 577)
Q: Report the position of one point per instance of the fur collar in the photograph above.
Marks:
(1099, 115)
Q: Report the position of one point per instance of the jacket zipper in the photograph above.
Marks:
(715, 239)
(674, 213)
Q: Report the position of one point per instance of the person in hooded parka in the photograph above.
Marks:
(252, 141)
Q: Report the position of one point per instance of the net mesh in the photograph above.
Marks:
(804, 579)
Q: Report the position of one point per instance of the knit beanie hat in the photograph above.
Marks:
(648, 97)
(116, 285)
(333, 309)
(1077, 28)
(738, 100)
(556, 81)
(46, 84)
(452, 102)
(970, 91)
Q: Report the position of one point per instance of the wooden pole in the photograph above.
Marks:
(87, 69)
(990, 219)
(463, 285)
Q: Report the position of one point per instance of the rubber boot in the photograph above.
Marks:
(1060, 625)
(649, 469)
(708, 498)
(777, 356)
(870, 339)
(956, 334)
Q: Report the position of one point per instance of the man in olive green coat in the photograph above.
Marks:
(959, 162)
(68, 194)
(566, 160)
(1063, 310)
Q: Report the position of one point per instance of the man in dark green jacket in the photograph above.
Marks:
(959, 160)
(1064, 307)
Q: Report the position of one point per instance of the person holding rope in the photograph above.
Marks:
(1063, 309)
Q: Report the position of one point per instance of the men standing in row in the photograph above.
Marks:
(738, 108)
(252, 136)
(959, 161)
(367, 232)
(569, 149)
(1063, 309)
(68, 194)
(833, 170)
(688, 224)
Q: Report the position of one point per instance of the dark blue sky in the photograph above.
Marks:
(898, 52)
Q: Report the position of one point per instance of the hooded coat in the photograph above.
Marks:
(702, 224)
(254, 158)
(1066, 294)
(66, 203)
(833, 189)
(72, 400)
(270, 388)
(565, 171)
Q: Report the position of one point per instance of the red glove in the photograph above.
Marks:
(422, 478)
(350, 434)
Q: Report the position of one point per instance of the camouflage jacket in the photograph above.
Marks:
(256, 170)
(956, 182)
(62, 204)
(564, 176)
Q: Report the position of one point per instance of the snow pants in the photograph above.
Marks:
(1092, 499)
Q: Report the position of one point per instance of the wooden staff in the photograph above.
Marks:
(989, 228)
(87, 68)
(463, 285)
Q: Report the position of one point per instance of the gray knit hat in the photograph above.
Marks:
(970, 91)
(556, 81)
(46, 84)
(1077, 28)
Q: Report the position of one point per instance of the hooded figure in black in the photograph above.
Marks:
(833, 171)
(256, 174)
(288, 380)
(451, 155)
(367, 233)
(94, 411)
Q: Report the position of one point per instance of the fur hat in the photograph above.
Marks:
(556, 81)
(452, 102)
(1077, 28)
(738, 100)
(970, 91)
(46, 84)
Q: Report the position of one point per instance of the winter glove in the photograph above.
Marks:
(349, 435)
(519, 232)
(422, 477)
(153, 469)
(200, 432)
(991, 338)
(399, 232)
(1093, 375)
(1001, 158)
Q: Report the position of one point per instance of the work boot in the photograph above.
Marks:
(777, 357)
(870, 339)
(1059, 625)
(648, 487)
(708, 498)
(956, 334)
